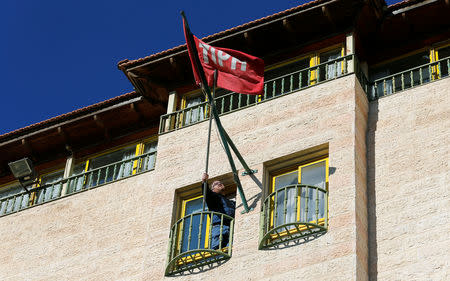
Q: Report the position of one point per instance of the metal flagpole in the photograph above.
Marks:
(204, 84)
(205, 184)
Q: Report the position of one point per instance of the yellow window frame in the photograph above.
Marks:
(197, 256)
(185, 97)
(139, 149)
(299, 171)
(183, 213)
(434, 57)
(321, 221)
(38, 184)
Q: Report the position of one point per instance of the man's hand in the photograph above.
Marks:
(205, 177)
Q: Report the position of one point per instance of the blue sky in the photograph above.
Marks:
(59, 56)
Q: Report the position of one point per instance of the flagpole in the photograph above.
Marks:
(204, 84)
(205, 184)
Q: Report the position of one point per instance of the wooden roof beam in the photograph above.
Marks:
(101, 125)
(327, 14)
(141, 119)
(67, 145)
(29, 150)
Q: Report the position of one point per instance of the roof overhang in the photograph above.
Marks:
(156, 75)
(70, 133)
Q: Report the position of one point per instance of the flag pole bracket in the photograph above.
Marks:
(251, 172)
(247, 211)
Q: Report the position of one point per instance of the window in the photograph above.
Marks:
(442, 58)
(192, 234)
(304, 71)
(13, 198)
(331, 68)
(297, 204)
(411, 70)
(194, 230)
(51, 187)
(392, 79)
(113, 165)
(195, 108)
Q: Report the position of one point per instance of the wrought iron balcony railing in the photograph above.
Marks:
(77, 183)
(273, 88)
(293, 212)
(409, 78)
(112, 172)
(191, 239)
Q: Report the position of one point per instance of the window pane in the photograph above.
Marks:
(13, 203)
(333, 69)
(401, 81)
(53, 187)
(286, 198)
(194, 113)
(76, 183)
(149, 160)
(193, 224)
(444, 53)
(111, 172)
(283, 85)
(313, 201)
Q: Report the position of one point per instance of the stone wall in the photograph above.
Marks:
(120, 231)
(408, 173)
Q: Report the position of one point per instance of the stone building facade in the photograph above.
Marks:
(374, 119)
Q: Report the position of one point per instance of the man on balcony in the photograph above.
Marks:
(217, 202)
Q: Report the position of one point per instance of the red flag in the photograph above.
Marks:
(236, 71)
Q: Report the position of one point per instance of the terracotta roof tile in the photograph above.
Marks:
(68, 115)
(124, 64)
(403, 3)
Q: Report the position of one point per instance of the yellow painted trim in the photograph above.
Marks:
(313, 61)
(183, 213)
(198, 256)
(272, 208)
(294, 230)
(138, 151)
(272, 189)
(300, 179)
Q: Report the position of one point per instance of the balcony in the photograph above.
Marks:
(77, 183)
(409, 78)
(273, 88)
(190, 243)
(293, 212)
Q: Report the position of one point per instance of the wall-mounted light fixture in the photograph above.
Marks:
(23, 171)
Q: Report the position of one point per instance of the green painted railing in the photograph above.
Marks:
(190, 242)
(409, 78)
(293, 212)
(77, 183)
(273, 88)
(112, 172)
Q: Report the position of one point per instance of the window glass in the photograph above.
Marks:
(194, 112)
(150, 159)
(10, 203)
(444, 56)
(111, 166)
(333, 69)
(395, 80)
(51, 186)
(191, 225)
(286, 198)
(312, 202)
(77, 180)
(291, 201)
(278, 83)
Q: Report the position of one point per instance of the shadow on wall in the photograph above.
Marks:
(371, 194)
